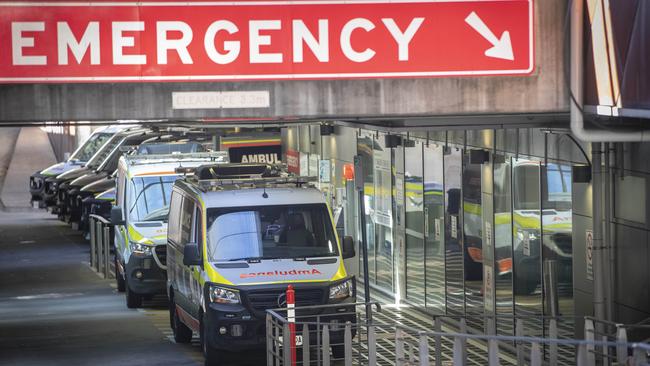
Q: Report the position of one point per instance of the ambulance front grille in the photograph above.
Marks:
(261, 300)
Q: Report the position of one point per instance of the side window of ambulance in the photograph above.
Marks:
(196, 230)
(186, 221)
(174, 222)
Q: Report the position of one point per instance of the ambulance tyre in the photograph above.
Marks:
(210, 354)
(133, 300)
(338, 352)
(121, 286)
(182, 334)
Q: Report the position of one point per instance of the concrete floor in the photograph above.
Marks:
(54, 310)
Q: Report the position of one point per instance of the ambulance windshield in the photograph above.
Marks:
(149, 198)
(270, 232)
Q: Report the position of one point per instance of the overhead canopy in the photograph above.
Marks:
(327, 59)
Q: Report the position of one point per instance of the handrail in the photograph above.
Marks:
(497, 316)
(274, 312)
(100, 219)
(576, 342)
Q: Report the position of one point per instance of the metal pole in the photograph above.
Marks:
(286, 348)
(93, 240)
(598, 270)
(399, 347)
(590, 336)
(621, 350)
(437, 323)
(550, 285)
(553, 347)
(519, 332)
(347, 344)
(372, 346)
(98, 243)
(269, 340)
(107, 252)
(358, 175)
(305, 345)
(326, 345)
(291, 318)
(424, 350)
(608, 238)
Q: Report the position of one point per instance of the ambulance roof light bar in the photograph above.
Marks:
(215, 156)
(207, 185)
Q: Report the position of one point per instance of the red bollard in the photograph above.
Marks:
(291, 317)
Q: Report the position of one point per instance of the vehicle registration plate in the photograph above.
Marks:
(298, 340)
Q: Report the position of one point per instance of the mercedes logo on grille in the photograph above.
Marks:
(282, 300)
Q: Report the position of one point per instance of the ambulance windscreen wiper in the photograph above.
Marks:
(251, 259)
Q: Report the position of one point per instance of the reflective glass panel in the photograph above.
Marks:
(557, 244)
(472, 238)
(383, 213)
(365, 151)
(527, 242)
(503, 246)
(453, 164)
(434, 224)
(414, 207)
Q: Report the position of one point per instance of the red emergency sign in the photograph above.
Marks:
(263, 40)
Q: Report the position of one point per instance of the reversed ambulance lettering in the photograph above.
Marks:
(293, 272)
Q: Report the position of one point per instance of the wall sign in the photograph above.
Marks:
(219, 40)
(256, 154)
(219, 100)
(293, 161)
(589, 255)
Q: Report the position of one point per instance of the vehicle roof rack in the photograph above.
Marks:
(211, 177)
(237, 171)
(214, 156)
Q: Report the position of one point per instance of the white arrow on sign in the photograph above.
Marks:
(501, 48)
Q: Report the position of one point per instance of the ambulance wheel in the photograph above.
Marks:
(121, 286)
(210, 354)
(182, 334)
(133, 300)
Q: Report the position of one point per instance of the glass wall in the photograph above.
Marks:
(365, 151)
(444, 216)
(383, 213)
(557, 250)
(453, 163)
(378, 187)
(527, 241)
(472, 237)
(434, 219)
(414, 206)
(503, 244)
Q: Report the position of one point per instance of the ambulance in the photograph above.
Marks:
(238, 235)
(143, 190)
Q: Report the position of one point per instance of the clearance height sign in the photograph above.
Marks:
(263, 40)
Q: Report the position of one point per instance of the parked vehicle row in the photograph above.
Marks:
(222, 240)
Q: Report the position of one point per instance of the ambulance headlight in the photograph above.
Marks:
(342, 290)
(222, 295)
(141, 249)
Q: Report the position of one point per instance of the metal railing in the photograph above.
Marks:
(101, 246)
(606, 331)
(322, 341)
(318, 330)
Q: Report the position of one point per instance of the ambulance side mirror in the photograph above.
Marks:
(191, 255)
(116, 216)
(348, 247)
